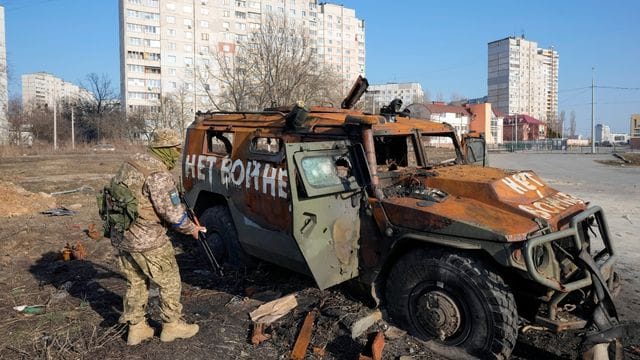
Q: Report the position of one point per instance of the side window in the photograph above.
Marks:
(326, 172)
(266, 145)
(219, 142)
(267, 148)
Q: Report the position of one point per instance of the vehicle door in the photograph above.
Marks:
(475, 150)
(326, 199)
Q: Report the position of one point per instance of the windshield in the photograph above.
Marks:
(439, 149)
(395, 151)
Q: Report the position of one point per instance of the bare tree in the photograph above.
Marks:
(175, 110)
(572, 120)
(102, 91)
(99, 114)
(276, 65)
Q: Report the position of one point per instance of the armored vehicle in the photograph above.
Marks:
(456, 251)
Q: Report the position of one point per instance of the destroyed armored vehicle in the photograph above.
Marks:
(456, 251)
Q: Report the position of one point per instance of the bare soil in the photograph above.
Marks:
(83, 298)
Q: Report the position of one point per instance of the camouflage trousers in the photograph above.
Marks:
(140, 269)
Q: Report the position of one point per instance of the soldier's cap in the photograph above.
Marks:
(165, 138)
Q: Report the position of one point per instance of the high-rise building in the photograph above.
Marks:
(4, 89)
(163, 43)
(523, 79)
(45, 90)
(382, 94)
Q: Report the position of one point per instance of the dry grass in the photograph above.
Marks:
(44, 148)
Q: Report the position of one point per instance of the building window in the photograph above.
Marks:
(171, 32)
(135, 68)
(171, 6)
(172, 46)
(204, 23)
(204, 36)
(171, 59)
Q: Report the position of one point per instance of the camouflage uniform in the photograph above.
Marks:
(145, 251)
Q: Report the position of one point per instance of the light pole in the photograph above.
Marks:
(593, 128)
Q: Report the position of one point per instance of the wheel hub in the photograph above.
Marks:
(440, 313)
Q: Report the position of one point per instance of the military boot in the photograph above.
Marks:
(178, 330)
(139, 333)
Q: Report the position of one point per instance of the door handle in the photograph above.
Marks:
(309, 222)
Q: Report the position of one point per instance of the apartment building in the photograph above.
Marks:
(165, 43)
(523, 79)
(4, 89)
(382, 94)
(43, 89)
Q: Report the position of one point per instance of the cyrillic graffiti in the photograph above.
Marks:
(251, 173)
(555, 204)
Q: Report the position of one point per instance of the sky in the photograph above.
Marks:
(440, 44)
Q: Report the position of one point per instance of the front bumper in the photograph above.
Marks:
(583, 277)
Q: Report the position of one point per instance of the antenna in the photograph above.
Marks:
(522, 32)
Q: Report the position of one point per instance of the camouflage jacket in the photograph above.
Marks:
(158, 205)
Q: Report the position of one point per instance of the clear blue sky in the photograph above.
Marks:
(440, 44)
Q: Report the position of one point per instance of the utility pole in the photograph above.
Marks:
(73, 133)
(55, 124)
(593, 127)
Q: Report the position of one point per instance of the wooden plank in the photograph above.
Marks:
(304, 337)
(274, 310)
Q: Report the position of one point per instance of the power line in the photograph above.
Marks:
(617, 87)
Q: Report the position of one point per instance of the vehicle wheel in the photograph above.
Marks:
(222, 237)
(455, 300)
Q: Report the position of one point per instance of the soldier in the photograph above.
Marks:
(145, 251)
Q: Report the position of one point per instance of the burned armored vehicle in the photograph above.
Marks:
(456, 251)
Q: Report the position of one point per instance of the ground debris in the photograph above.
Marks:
(259, 335)
(373, 350)
(361, 325)
(304, 337)
(274, 310)
(59, 211)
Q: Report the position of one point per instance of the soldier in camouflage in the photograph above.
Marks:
(145, 251)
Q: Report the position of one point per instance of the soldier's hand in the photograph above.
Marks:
(197, 230)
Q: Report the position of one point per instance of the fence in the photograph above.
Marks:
(554, 145)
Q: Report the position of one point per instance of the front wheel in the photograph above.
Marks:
(222, 237)
(454, 299)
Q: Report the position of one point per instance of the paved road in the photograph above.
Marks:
(615, 188)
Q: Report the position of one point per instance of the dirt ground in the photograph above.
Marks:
(83, 297)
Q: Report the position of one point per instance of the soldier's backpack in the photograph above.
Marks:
(117, 205)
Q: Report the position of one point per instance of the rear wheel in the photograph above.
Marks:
(455, 300)
(222, 237)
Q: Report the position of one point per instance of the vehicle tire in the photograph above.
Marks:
(455, 300)
(222, 237)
